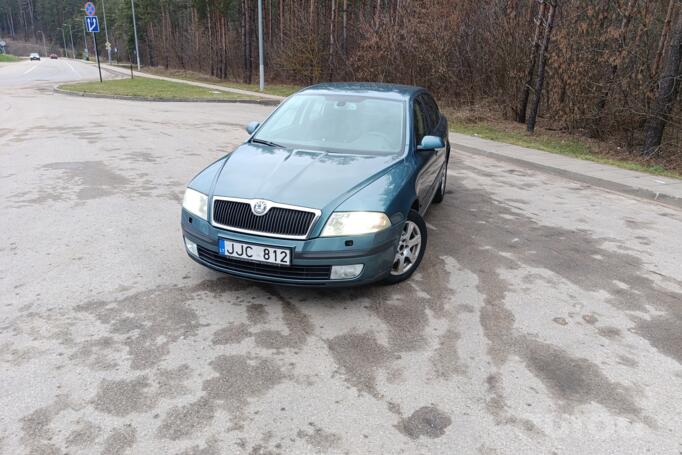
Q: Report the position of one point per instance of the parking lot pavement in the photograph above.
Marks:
(545, 318)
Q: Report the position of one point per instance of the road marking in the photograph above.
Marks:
(30, 69)
(74, 70)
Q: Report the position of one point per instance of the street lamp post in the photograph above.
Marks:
(44, 45)
(137, 47)
(261, 78)
(73, 49)
(106, 32)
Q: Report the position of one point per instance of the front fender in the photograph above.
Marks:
(204, 180)
(392, 193)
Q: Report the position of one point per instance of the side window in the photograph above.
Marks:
(432, 111)
(420, 124)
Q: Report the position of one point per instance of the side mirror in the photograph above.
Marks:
(251, 127)
(431, 143)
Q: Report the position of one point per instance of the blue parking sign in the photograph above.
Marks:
(92, 24)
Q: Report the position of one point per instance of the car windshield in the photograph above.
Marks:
(337, 124)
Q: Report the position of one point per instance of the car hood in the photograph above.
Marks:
(308, 178)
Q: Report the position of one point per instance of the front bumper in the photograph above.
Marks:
(311, 259)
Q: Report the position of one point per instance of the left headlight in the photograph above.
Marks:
(196, 203)
(355, 223)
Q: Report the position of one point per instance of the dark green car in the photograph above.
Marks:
(329, 190)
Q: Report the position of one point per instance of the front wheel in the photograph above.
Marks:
(410, 250)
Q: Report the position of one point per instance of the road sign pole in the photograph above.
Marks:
(260, 47)
(137, 47)
(94, 37)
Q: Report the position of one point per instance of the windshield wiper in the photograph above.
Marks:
(264, 142)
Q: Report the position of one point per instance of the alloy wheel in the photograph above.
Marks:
(409, 247)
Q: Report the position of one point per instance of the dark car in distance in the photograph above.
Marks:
(330, 190)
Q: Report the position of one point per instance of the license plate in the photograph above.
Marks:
(255, 253)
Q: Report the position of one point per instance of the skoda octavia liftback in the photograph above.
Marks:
(330, 190)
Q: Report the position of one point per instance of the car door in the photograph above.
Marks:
(426, 122)
(437, 127)
(425, 159)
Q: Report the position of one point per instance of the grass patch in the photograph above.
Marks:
(152, 88)
(560, 143)
(8, 58)
(270, 89)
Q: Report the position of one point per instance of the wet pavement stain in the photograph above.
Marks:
(211, 447)
(232, 334)
(557, 250)
(120, 440)
(664, 333)
(575, 381)
(427, 421)
(36, 428)
(320, 439)
(94, 179)
(124, 397)
(184, 421)
(84, 435)
(256, 313)
(360, 356)
(296, 321)
(241, 378)
(149, 321)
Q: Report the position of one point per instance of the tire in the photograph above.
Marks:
(410, 261)
(440, 193)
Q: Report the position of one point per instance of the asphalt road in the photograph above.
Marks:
(28, 73)
(546, 316)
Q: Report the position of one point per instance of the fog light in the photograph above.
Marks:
(191, 247)
(346, 272)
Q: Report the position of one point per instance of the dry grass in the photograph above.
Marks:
(480, 121)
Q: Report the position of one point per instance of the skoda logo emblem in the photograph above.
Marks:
(259, 208)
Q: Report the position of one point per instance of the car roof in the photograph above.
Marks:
(375, 89)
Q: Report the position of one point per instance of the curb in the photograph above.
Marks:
(575, 176)
(163, 100)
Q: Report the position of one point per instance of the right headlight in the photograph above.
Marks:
(196, 203)
(355, 223)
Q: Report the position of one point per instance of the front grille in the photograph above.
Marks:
(277, 221)
(297, 272)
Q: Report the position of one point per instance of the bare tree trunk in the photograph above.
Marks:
(246, 40)
(345, 28)
(332, 20)
(11, 22)
(601, 104)
(664, 38)
(532, 119)
(668, 88)
(376, 14)
(525, 94)
(269, 13)
(281, 21)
